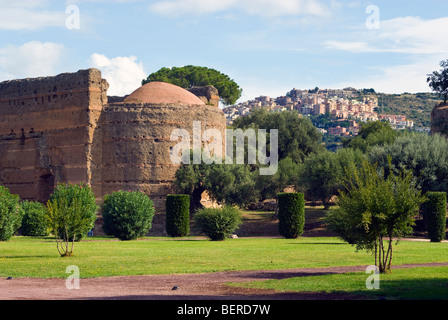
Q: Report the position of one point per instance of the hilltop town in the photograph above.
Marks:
(343, 106)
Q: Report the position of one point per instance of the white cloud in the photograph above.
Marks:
(75, 2)
(32, 59)
(355, 46)
(29, 15)
(407, 35)
(124, 74)
(422, 42)
(265, 8)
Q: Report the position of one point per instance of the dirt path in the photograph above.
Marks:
(209, 286)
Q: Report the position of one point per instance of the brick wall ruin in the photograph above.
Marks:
(439, 119)
(136, 144)
(208, 94)
(46, 131)
(62, 129)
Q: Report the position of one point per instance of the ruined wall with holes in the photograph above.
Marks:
(439, 119)
(136, 144)
(46, 131)
(62, 129)
(208, 94)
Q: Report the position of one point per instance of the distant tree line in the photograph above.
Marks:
(308, 166)
(378, 180)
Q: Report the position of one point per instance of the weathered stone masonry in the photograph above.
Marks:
(439, 119)
(62, 129)
(46, 131)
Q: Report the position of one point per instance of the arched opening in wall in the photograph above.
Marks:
(45, 187)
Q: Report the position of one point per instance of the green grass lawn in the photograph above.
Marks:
(429, 283)
(38, 257)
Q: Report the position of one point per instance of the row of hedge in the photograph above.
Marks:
(217, 223)
(128, 215)
(71, 213)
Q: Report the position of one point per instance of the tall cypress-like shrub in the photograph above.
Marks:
(178, 215)
(434, 214)
(291, 214)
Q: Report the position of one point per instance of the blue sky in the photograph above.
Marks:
(267, 46)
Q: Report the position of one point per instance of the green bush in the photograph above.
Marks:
(34, 222)
(11, 214)
(291, 214)
(218, 223)
(434, 214)
(178, 215)
(127, 215)
(76, 208)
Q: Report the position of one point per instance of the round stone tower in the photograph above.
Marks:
(135, 144)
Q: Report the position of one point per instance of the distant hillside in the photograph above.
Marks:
(416, 107)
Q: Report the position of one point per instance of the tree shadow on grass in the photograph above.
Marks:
(187, 240)
(27, 257)
(284, 275)
(412, 289)
(317, 243)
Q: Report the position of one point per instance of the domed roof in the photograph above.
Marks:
(162, 93)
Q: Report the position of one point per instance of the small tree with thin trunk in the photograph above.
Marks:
(375, 209)
(71, 214)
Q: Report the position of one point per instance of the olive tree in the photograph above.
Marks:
(323, 173)
(297, 136)
(425, 155)
(232, 184)
(191, 179)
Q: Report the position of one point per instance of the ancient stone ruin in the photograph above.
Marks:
(439, 119)
(62, 129)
